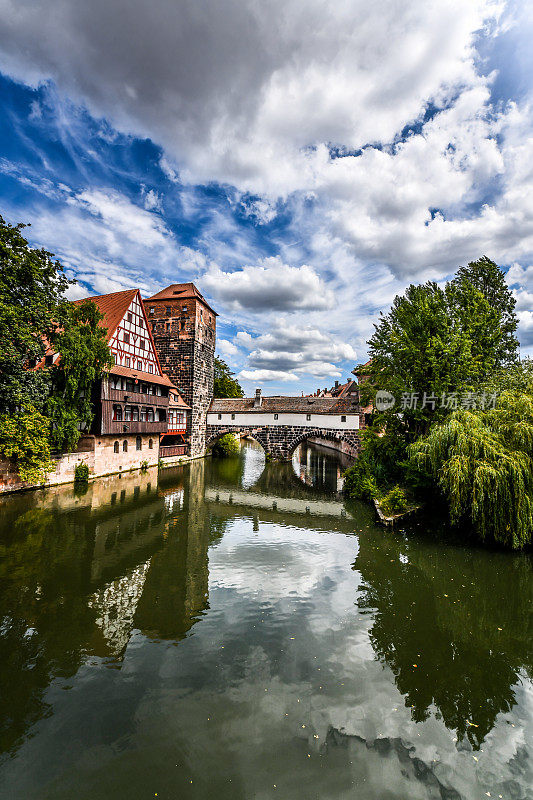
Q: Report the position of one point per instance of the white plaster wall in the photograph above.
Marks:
(328, 421)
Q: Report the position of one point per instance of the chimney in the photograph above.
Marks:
(258, 399)
(336, 384)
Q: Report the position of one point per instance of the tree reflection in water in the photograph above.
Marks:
(452, 623)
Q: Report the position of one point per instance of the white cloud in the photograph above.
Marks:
(227, 348)
(266, 375)
(293, 351)
(270, 286)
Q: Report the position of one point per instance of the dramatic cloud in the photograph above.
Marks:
(238, 92)
(271, 286)
(293, 351)
(313, 158)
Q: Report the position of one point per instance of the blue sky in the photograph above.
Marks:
(302, 166)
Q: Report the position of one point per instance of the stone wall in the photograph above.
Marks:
(186, 350)
(95, 451)
(280, 442)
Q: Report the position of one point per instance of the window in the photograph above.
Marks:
(233, 416)
(117, 415)
(149, 415)
(127, 361)
(168, 310)
(142, 344)
(150, 444)
(161, 415)
(184, 308)
(130, 316)
(141, 324)
(125, 446)
(143, 415)
(144, 388)
(276, 416)
(150, 369)
(180, 419)
(170, 419)
(127, 414)
(126, 337)
(116, 449)
(343, 419)
(139, 365)
(135, 414)
(138, 443)
(152, 309)
(220, 416)
(158, 391)
(308, 417)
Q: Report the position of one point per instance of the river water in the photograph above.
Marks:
(232, 629)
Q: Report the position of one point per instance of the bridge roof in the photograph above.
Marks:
(286, 405)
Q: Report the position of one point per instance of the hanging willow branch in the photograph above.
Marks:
(483, 461)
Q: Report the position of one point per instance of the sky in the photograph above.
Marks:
(301, 162)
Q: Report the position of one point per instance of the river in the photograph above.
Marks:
(233, 629)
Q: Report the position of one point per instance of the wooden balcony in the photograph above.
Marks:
(177, 430)
(130, 426)
(135, 398)
(172, 450)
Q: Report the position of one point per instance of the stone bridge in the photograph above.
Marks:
(280, 441)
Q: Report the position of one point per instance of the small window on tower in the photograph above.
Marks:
(152, 309)
(343, 419)
(308, 417)
(276, 416)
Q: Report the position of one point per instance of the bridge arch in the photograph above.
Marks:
(257, 435)
(346, 443)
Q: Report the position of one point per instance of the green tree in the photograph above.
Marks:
(440, 340)
(25, 438)
(483, 462)
(32, 285)
(485, 276)
(84, 355)
(225, 384)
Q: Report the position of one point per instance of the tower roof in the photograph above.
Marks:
(181, 291)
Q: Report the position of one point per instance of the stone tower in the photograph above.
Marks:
(184, 330)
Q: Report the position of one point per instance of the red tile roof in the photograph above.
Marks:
(180, 291)
(113, 306)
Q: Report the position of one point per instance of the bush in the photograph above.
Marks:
(25, 438)
(359, 483)
(227, 445)
(144, 466)
(394, 502)
(81, 473)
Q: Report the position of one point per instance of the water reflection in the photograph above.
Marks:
(235, 624)
(452, 623)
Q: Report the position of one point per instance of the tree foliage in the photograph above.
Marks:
(32, 285)
(227, 445)
(440, 340)
(483, 462)
(25, 438)
(225, 384)
(84, 355)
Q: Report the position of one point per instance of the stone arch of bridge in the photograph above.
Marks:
(351, 443)
(256, 435)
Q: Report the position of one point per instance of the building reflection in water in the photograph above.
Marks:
(79, 574)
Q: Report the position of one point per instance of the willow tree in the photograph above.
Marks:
(483, 462)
